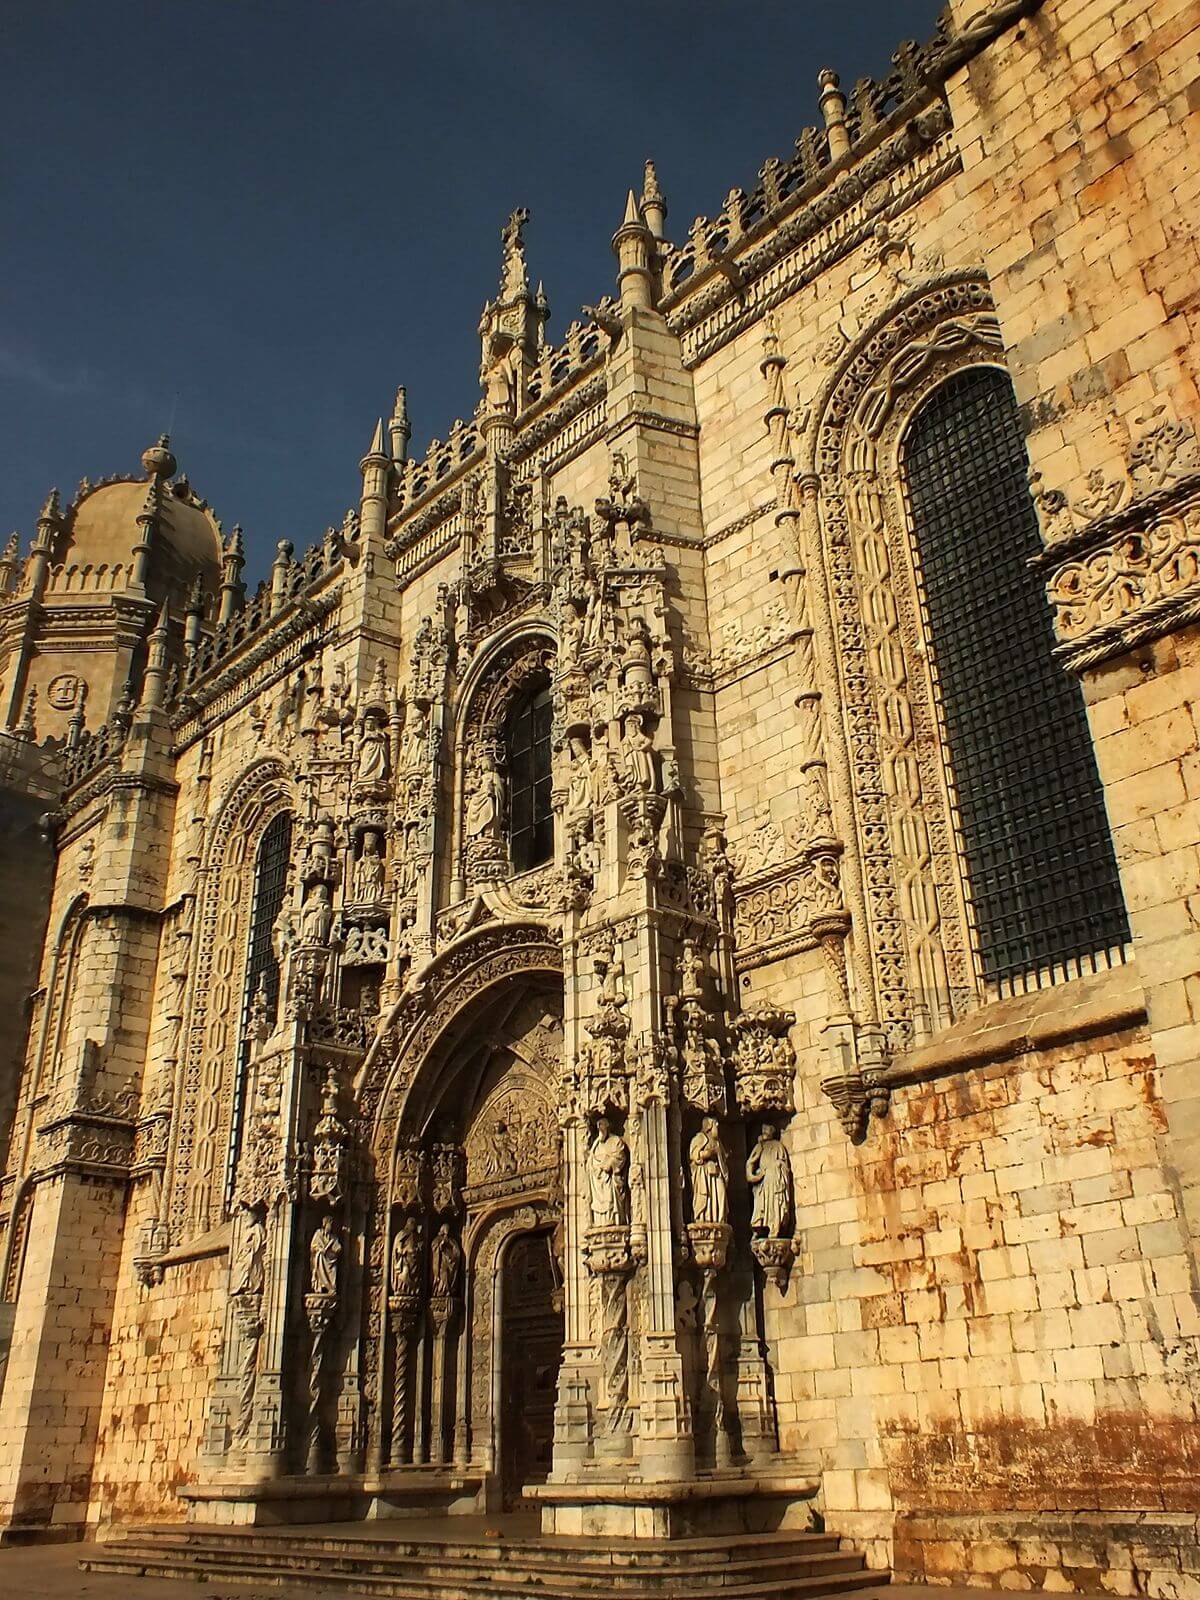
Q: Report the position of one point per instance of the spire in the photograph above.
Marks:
(399, 430)
(10, 564)
(514, 274)
(654, 205)
(635, 250)
(195, 616)
(52, 509)
(377, 439)
(155, 677)
(233, 559)
(833, 109)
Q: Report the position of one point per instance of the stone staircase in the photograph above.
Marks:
(354, 1559)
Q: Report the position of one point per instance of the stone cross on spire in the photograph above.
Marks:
(514, 277)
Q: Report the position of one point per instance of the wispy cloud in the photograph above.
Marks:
(27, 367)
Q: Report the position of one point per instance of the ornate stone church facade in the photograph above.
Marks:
(653, 971)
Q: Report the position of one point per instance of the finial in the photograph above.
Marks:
(12, 550)
(654, 205)
(633, 214)
(833, 109)
(160, 629)
(52, 509)
(377, 439)
(158, 460)
(514, 278)
(399, 429)
(27, 727)
(235, 544)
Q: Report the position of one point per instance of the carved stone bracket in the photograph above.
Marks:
(764, 1060)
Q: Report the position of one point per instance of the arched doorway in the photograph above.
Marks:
(531, 1343)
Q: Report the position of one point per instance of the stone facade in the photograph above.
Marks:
(343, 1079)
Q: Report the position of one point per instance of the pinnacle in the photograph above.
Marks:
(377, 440)
(633, 211)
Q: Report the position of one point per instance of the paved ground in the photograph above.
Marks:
(51, 1572)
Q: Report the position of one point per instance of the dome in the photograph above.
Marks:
(100, 529)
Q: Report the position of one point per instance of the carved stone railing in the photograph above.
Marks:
(869, 113)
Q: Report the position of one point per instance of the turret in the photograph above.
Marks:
(399, 430)
(155, 677)
(376, 467)
(833, 109)
(233, 559)
(10, 565)
(654, 206)
(635, 251)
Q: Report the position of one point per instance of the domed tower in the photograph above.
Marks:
(74, 614)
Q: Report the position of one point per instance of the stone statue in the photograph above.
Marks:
(608, 1177)
(446, 1261)
(638, 753)
(406, 1258)
(710, 1174)
(368, 870)
(486, 799)
(637, 671)
(323, 1255)
(372, 765)
(316, 919)
(769, 1174)
(416, 731)
(247, 1274)
(579, 778)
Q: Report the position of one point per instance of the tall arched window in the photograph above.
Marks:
(262, 968)
(531, 818)
(1042, 875)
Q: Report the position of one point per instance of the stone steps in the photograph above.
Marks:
(783, 1566)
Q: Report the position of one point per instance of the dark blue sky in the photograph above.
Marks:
(259, 216)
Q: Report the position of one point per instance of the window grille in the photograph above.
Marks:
(531, 817)
(1042, 876)
(270, 885)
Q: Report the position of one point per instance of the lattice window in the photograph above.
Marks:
(270, 885)
(1043, 879)
(531, 817)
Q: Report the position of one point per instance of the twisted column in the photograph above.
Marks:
(404, 1308)
(319, 1308)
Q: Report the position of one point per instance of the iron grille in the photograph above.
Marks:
(531, 816)
(270, 885)
(1043, 879)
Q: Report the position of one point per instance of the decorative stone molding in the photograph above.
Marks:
(1128, 577)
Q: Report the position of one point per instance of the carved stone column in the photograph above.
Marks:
(442, 1309)
(404, 1309)
(608, 1258)
(319, 1309)
(710, 1247)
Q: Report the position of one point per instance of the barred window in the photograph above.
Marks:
(531, 818)
(270, 885)
(1042, 876)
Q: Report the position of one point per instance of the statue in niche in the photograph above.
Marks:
(283, 934)
(579, 779)
(446, 1262)
(637, 752)
(710, 1174)
(247, 1275)
(406, 1258)
(637, 671)
(323, 1255)
(608, 1177)
(368, 870)
(486, 799)
(769, 1174)
(372, 767)
(570, 634)
(416, 731)
(316, 919)
(612, 999)
(500, 1156)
